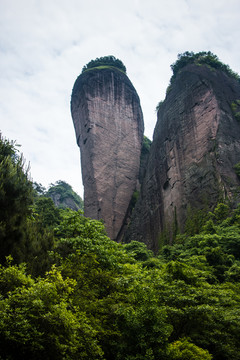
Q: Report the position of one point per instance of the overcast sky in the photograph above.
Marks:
(45, 43)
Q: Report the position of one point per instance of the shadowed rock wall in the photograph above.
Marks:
(195, 145)
(109, 129)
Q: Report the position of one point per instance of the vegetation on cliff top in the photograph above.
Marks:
(80, 295)
(201, 58)
(62, 195)
(105, 62)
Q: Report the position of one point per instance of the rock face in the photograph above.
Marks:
(109, 128)
(68, 202)
(196, 144)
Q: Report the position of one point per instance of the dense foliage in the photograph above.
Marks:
(16, 196)
(80, 295)
(105, 61)
(201, 58)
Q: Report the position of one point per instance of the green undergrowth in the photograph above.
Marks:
(102, 300)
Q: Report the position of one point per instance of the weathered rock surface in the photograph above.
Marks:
(195, 146)
(68, 202)
(109, 128)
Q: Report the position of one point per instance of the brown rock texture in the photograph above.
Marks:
(196, 144)
(109, 128)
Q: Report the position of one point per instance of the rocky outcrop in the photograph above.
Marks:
(196, 144)
(109, 128)
(68, 202)
(63, 196)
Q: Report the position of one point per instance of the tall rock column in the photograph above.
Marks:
(108, 121)
(196, 145)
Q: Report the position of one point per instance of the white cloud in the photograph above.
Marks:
(44, 45)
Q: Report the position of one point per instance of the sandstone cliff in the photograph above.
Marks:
(109, 128)
(196, 144)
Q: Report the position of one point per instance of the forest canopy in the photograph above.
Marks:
(69, 292)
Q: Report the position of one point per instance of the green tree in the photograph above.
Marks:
(37, 320)
(185, 350)
(46, 212)
(16, 196)
(139, 250)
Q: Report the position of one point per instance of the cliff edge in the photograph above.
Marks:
(196, 145)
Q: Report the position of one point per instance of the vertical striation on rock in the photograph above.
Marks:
(109, 128)
(196, 144)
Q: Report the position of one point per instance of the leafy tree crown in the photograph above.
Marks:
(105, 61)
